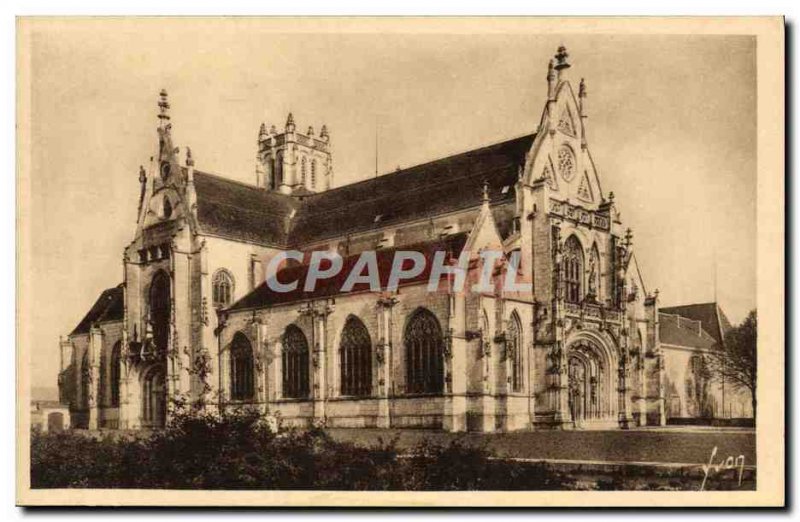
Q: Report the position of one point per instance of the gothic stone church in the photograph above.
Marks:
(193, 320)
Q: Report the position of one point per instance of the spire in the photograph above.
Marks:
(163, 108)
(290, 123)
(191, 194)
(582, 109)
(628, 238)
(142, 190)
(551, 80)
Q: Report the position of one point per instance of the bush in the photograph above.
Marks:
(240, 451)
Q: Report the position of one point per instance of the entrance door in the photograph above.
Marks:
(154, 393)
(577, 390)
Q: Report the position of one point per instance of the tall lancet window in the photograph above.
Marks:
(86, 380)
(116, 373)
(514, 350)
(242, 388)
(573, 270)
(355, 352)
(424, 346)
(303, 171)
(313, 174)
(294, 363)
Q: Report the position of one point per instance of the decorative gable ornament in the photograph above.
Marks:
(585, 189)
(566, 163)
(566, 123)
(549, 176)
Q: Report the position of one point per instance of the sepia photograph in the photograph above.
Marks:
(352, 261)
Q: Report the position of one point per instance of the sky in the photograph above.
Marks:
(671, 127)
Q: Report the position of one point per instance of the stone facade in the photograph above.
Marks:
(193, 323)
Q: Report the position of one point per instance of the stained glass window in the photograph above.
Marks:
(573, 269)
(514, 347)
(424, 346)
(566, 162)
(355, 353)
(295, 362)
(221, 288)
(242, 388)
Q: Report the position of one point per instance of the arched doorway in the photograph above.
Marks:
(154, 403)
(591, 386)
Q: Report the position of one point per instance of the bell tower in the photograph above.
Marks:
(291, 162)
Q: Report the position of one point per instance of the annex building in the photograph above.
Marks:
(193, 321)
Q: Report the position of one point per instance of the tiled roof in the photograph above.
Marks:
(681, 331)
(108, 307)
(244, 212)
(440, 186)
(710, 316)
(240, 211)
(263, 295)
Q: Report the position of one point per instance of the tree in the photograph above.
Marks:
(738, 362)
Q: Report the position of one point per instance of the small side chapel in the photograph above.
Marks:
(194, 322)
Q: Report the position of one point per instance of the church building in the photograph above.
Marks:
(195, 324)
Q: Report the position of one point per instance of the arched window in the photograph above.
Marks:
(424, 346)
(514, 348)
(86, 380)
(573, 270)
(221, 288)
(295, 362)
(242, 374)
(115, 372)
(279, 170)
(313, 173)
(160, 310)
(303, 171)
(355, 352)
(167, 208)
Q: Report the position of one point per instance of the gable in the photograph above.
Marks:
(561, 156)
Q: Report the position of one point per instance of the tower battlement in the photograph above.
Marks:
(293, 162)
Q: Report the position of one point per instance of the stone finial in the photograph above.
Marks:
(290, 123)
(611, 197)
(310, 131)
(142, 175)
(163, 107)
(323, 133)
(262, 132)
(628, 237)
(561, 59)
(485, 191)
(582, 89)
(189, 158)
(273, 130)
